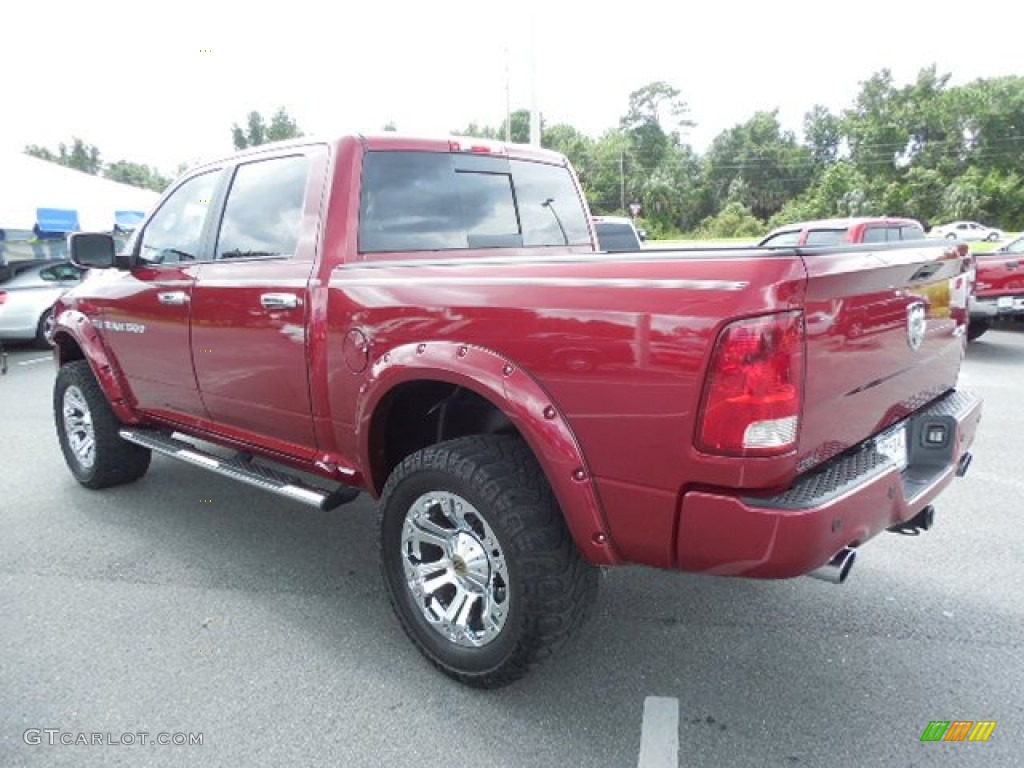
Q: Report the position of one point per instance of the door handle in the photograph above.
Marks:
(172, 298)
(279, 300)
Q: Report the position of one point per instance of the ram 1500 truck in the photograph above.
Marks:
(428, 321)
(998, 287)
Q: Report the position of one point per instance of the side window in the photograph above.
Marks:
(910, 232)
(1017, 246)
(263, 215)
(549, 206)
(874, 234)
(782, 238)
(175, 231)
(825, 236)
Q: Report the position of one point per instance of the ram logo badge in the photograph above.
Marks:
(916, 324)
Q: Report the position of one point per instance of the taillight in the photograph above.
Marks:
(754, 387)
(3, 296)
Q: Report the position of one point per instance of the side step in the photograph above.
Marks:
(241, 469)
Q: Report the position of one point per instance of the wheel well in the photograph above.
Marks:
(419, 414)
(67, 348)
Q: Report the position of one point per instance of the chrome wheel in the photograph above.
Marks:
(49, 323)
(455, 569)
(78, 427)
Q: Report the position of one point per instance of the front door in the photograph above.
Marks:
(145, 312)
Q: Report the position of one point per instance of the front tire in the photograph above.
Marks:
(477, 560)
(88, 432)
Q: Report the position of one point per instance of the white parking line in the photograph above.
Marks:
(659, 736)
(35, 360)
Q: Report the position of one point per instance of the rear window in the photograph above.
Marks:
(825, 236)
(435, 201)
(614, 236)
(892, 233)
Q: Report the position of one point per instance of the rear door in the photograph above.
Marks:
(250, 304)
(146, 311)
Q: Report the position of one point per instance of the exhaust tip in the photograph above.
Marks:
(836, 570)
(964, 464)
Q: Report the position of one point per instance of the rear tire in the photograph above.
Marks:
(977, 328)
(477, 560)
(88, 432)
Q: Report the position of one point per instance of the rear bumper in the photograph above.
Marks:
(843, 503)
(991, 307)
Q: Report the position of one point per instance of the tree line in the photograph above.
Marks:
(86, 157)
(927, 150)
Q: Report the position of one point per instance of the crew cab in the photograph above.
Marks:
(858, 229)
(428, 321)
(998, 287)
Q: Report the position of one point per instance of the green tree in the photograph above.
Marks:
(80, 156)
(823, 135)
(653, 108)
(137, 175)
(281, 127)
(758, 165)
(734, 220)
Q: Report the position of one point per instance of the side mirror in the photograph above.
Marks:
(91, 250)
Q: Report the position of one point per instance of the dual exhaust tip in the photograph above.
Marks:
(837, 570)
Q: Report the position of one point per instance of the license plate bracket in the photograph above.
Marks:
(893, 445)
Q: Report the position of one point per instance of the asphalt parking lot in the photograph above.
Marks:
(186, 604)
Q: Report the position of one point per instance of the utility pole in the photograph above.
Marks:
(508, 101)
(622, 179)
(534, 112)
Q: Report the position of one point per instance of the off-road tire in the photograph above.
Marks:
(977, 328)
(115, 461)
(550, 588)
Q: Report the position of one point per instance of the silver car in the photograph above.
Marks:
(28, 290)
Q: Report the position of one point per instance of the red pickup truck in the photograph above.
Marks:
(998, 287)
(429, 321)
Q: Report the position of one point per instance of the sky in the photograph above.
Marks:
(162, 84)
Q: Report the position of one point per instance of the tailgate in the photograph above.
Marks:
(999, 274)
(884, 337)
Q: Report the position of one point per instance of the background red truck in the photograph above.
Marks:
(998, 287)
(428, 321)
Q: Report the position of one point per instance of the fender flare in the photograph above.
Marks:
(75, 327)
(528, 407)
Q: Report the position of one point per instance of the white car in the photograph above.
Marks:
(967, 230)
(27, 292)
